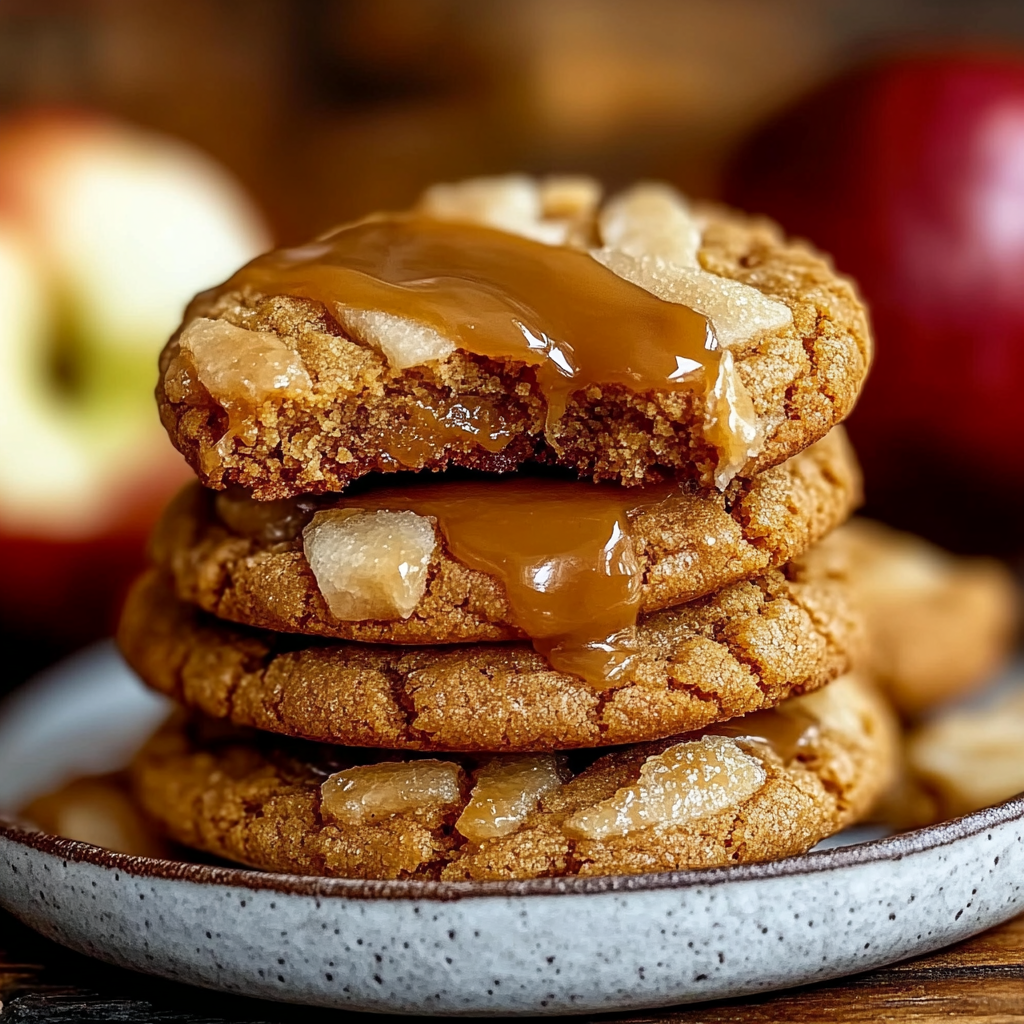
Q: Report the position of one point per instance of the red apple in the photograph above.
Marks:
(106, 231)
(911, 173)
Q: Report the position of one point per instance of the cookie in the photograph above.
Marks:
(637, 341)
(938, 626)
(97, 809)
(764, 787)
(966, 759)
(244, 561)
(745, 648)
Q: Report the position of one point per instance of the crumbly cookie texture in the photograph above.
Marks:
(342, 416)
(938, 626)
(744, 648)
(686, 802)
(257, 574)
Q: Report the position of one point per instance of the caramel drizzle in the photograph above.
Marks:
(563, 551)
(503, 296)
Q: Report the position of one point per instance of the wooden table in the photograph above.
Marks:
(979, 980)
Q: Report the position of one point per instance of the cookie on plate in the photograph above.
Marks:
(938, 626)
(964, 759)
(510, 321)
(97, 809)
(248, 561)
(764, 787)
(744, 648)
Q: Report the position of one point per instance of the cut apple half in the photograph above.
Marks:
(62, 456)
(106, 232)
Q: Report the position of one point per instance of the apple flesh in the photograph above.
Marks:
(910, 172)
(106, 232)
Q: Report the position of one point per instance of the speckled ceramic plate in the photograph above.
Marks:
(544, 946)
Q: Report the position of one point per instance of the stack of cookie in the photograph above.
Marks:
(486, 488)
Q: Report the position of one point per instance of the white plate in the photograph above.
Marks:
(542, 946)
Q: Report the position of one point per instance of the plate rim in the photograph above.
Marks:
(888, 848)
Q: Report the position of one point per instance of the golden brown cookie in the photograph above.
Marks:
(938, 626)
(965, 759)
(960, 761)
(743, 649)
(244, 561)
(288, 395)
(97, 809)
(764, 787)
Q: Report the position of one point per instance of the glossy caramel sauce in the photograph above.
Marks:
(563, 550)
(416, 441)
(503, 296)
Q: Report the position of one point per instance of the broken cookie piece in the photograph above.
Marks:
(637, 341)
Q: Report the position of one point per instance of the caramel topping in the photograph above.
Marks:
(499, 295)
(686, 782)
(507, 789)
(428, 429)
(563, 551)
(786, 729)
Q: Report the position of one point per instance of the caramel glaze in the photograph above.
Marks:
(415, 441)
(563, 551)
(502, 296)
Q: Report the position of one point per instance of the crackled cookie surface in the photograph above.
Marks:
(248, 562)
(938, 625)
(506, 321)
(767, 786)
(742, 649)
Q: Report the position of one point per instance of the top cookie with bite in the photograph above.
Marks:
(510, 321)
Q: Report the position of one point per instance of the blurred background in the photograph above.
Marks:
(147, 149)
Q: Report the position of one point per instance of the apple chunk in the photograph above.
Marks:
(370, 565)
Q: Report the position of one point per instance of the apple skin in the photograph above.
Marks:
(106, 232)
(910, 172)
